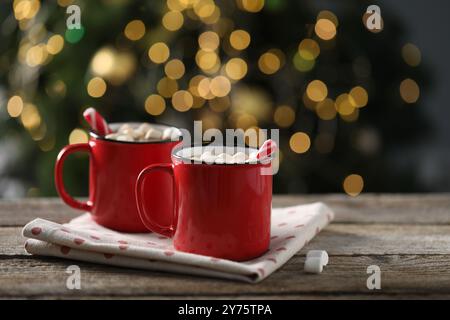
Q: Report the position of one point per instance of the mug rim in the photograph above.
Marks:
(195, 162)
(103, 138)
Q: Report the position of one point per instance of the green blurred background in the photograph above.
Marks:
(349, 102)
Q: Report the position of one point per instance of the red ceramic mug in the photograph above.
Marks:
(113, 169)
(220, 210)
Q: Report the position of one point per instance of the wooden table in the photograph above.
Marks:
(407, 236)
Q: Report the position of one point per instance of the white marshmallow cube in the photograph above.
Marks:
(313, 265)
(322, 254)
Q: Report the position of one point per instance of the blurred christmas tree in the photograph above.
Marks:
(340, 94)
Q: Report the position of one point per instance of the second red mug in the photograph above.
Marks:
(219, 210)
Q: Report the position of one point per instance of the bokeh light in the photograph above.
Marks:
(325, 109)
(317, 90)
(208, 41)
(173, 20)
(240, 39)
(358, 97)
(55, 44)
(353, 185)
(300, 142)
(325, 29)
(78, 136)
(96, 87)
(409, 90)
(134, 30)
(14, 106)
(174, 69)
(236, 68)
(220, 86)
(155, 104)
(308, 49)
(182, 100)
(159, 52)
(284, 116)
(269, 63)
(411, 55)
(167, 87)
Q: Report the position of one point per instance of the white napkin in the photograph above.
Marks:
(83, 239)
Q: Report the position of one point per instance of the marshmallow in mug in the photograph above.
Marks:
(144, 132)
(218, 156)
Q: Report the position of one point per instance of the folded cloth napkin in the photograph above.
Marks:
(83, 239)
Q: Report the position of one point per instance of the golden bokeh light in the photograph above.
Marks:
(167, 87)
(134, 30)
(178, 5)
(251, 5)
(78, 136)
(155, 104)
(240, 39)
(317, 90)
(220, 86)
(326, 14)
(344, 105)
(204, 89)
(409, 91)
(55, 44)
(411, 55)
(30, 117)
(236, 68)
(325, 29)
(353, 185)
(269, 63)
(193, 84)
(26, 9)
(300, 142)
(284, 116)
(206, 60)
(308, 103)
(173, 20)
(325, 109)
(209, 41)
(36, 55)
(159, 52)
(14, 106)
(182, 100)
(245, 121)
(112, 65)
(358, 97)
(302, 64)
(96, 87)
(174, 69)
(308, 49)
(204, 8)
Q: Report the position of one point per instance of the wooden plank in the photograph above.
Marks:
(402, 275)
(380, 208)
(336, 239)
(367, 208)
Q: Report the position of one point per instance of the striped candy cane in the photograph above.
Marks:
(268, 148)
(96, 121)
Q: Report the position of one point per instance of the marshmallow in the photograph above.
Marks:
(124, 127)
(252, 158)
(313, 265)
(224, 158)
(112, 136)
(124, 137)
(322, 254)
(239, 157)
(152, 134)
(167, 134)
(208, 157)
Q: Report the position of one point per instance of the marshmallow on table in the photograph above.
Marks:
(322, 254)
(315, 261)
(313, 265)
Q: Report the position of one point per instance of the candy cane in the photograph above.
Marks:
(96, 121)
(268, 148)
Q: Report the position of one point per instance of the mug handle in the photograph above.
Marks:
(146, 218)
(59, 181)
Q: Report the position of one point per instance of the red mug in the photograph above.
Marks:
(219, 210)
(113, 169)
